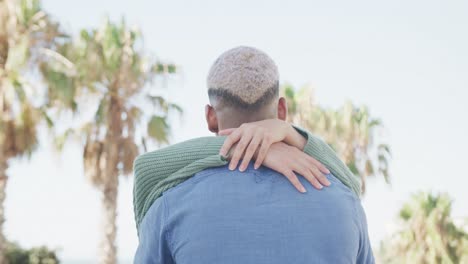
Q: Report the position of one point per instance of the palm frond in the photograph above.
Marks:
(158, 129)
(350, 130)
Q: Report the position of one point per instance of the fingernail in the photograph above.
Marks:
(232, 167)
(256, 166)
(242, 168)
(320, 186)
(303, 190)
(327, 170)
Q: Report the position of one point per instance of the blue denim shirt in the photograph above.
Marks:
(256, 216)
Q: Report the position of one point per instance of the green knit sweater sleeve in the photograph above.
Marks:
(321, 151)
(160, 170)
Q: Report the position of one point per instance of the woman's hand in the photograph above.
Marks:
(256, 138)
(289, 160)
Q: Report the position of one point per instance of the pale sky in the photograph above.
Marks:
(406, 60)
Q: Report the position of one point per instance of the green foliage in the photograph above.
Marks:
(107, 64)
(104, 71)
(349, 130)
(27, 38)
(158, 128)
(27, 11)
(26, 32)
(39, 255)
(18, 54)
(428, 234)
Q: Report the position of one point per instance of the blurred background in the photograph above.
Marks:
(86, 86)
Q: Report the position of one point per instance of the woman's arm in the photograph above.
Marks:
(259, 136)
(159, 170)
(320, 150)
(162, 169)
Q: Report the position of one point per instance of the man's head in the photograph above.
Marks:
(243, 86)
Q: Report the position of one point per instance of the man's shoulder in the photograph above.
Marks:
(202, 176)
(214, 181)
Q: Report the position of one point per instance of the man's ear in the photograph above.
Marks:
(211, 119)
(282, 109)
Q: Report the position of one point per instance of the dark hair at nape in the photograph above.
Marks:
(229, 99)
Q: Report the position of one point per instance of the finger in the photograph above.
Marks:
(226, 132)
(250, 151)
(320, 176)
(295, 181)
(229, 141)
(321, 167)
(310, 177)
(266, 143)
(240, 148)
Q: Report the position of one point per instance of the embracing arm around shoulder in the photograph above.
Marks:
(268, 142)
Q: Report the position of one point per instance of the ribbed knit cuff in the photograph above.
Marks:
(321, 151)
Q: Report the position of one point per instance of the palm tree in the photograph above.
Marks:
(110, 70)
(27, 36)
(349, 130)
(428, 233)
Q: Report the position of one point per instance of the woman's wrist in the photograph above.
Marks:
(294, 138)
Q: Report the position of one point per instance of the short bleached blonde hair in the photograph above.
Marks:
(244, 77)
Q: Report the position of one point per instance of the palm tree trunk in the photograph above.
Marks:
(111, 183)
(109, 201)
(3, 182)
